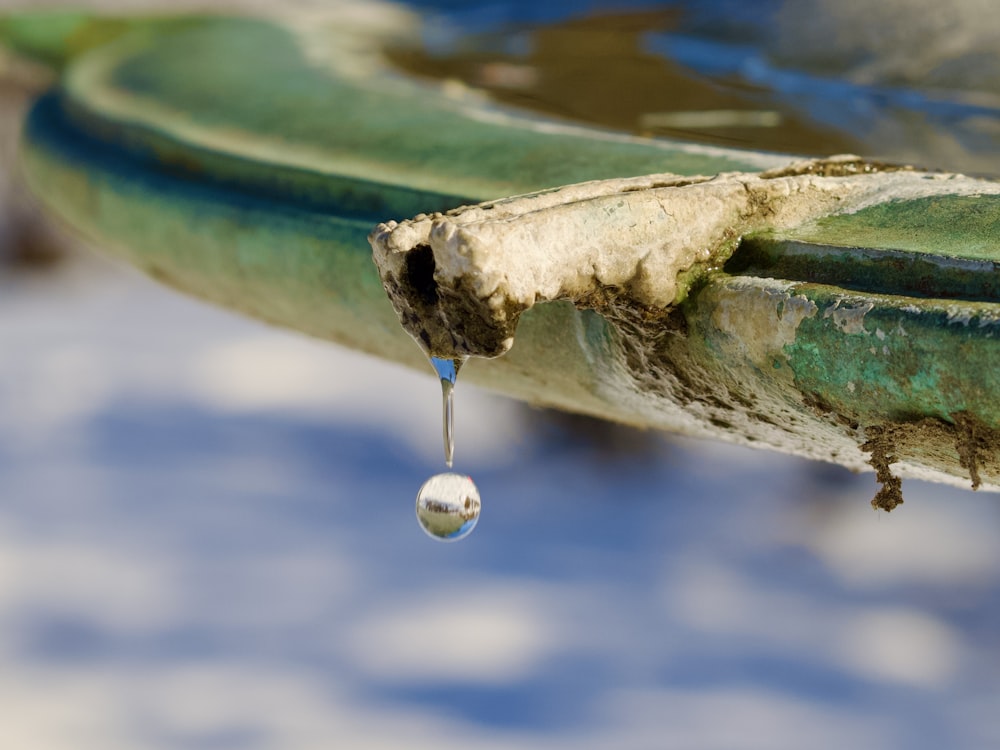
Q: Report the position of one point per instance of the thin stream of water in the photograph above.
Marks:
(447, 370)
(448, 504)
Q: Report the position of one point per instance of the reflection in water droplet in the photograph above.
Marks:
(447, 370)
(448, 506)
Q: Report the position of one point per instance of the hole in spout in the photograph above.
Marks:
(419, 271)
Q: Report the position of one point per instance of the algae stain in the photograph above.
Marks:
(976, 444)
(881, 444)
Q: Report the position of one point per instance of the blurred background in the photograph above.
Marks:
(207, 537)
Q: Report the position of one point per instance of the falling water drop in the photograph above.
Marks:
(447, 370)
(448, 504)
(448, 507)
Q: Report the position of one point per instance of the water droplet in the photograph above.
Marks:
(447, 370)
(448, 506)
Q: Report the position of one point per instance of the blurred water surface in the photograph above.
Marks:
(903, 80)
(207, 535)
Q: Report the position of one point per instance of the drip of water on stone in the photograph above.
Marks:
(448, 504)
(447, 370)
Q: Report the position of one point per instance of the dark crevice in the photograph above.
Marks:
(874, 271)
(419, 272)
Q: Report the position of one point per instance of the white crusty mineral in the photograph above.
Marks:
(460, 280)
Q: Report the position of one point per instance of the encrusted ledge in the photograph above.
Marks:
(460, 280)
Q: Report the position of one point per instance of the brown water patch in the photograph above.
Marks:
(595, 69)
